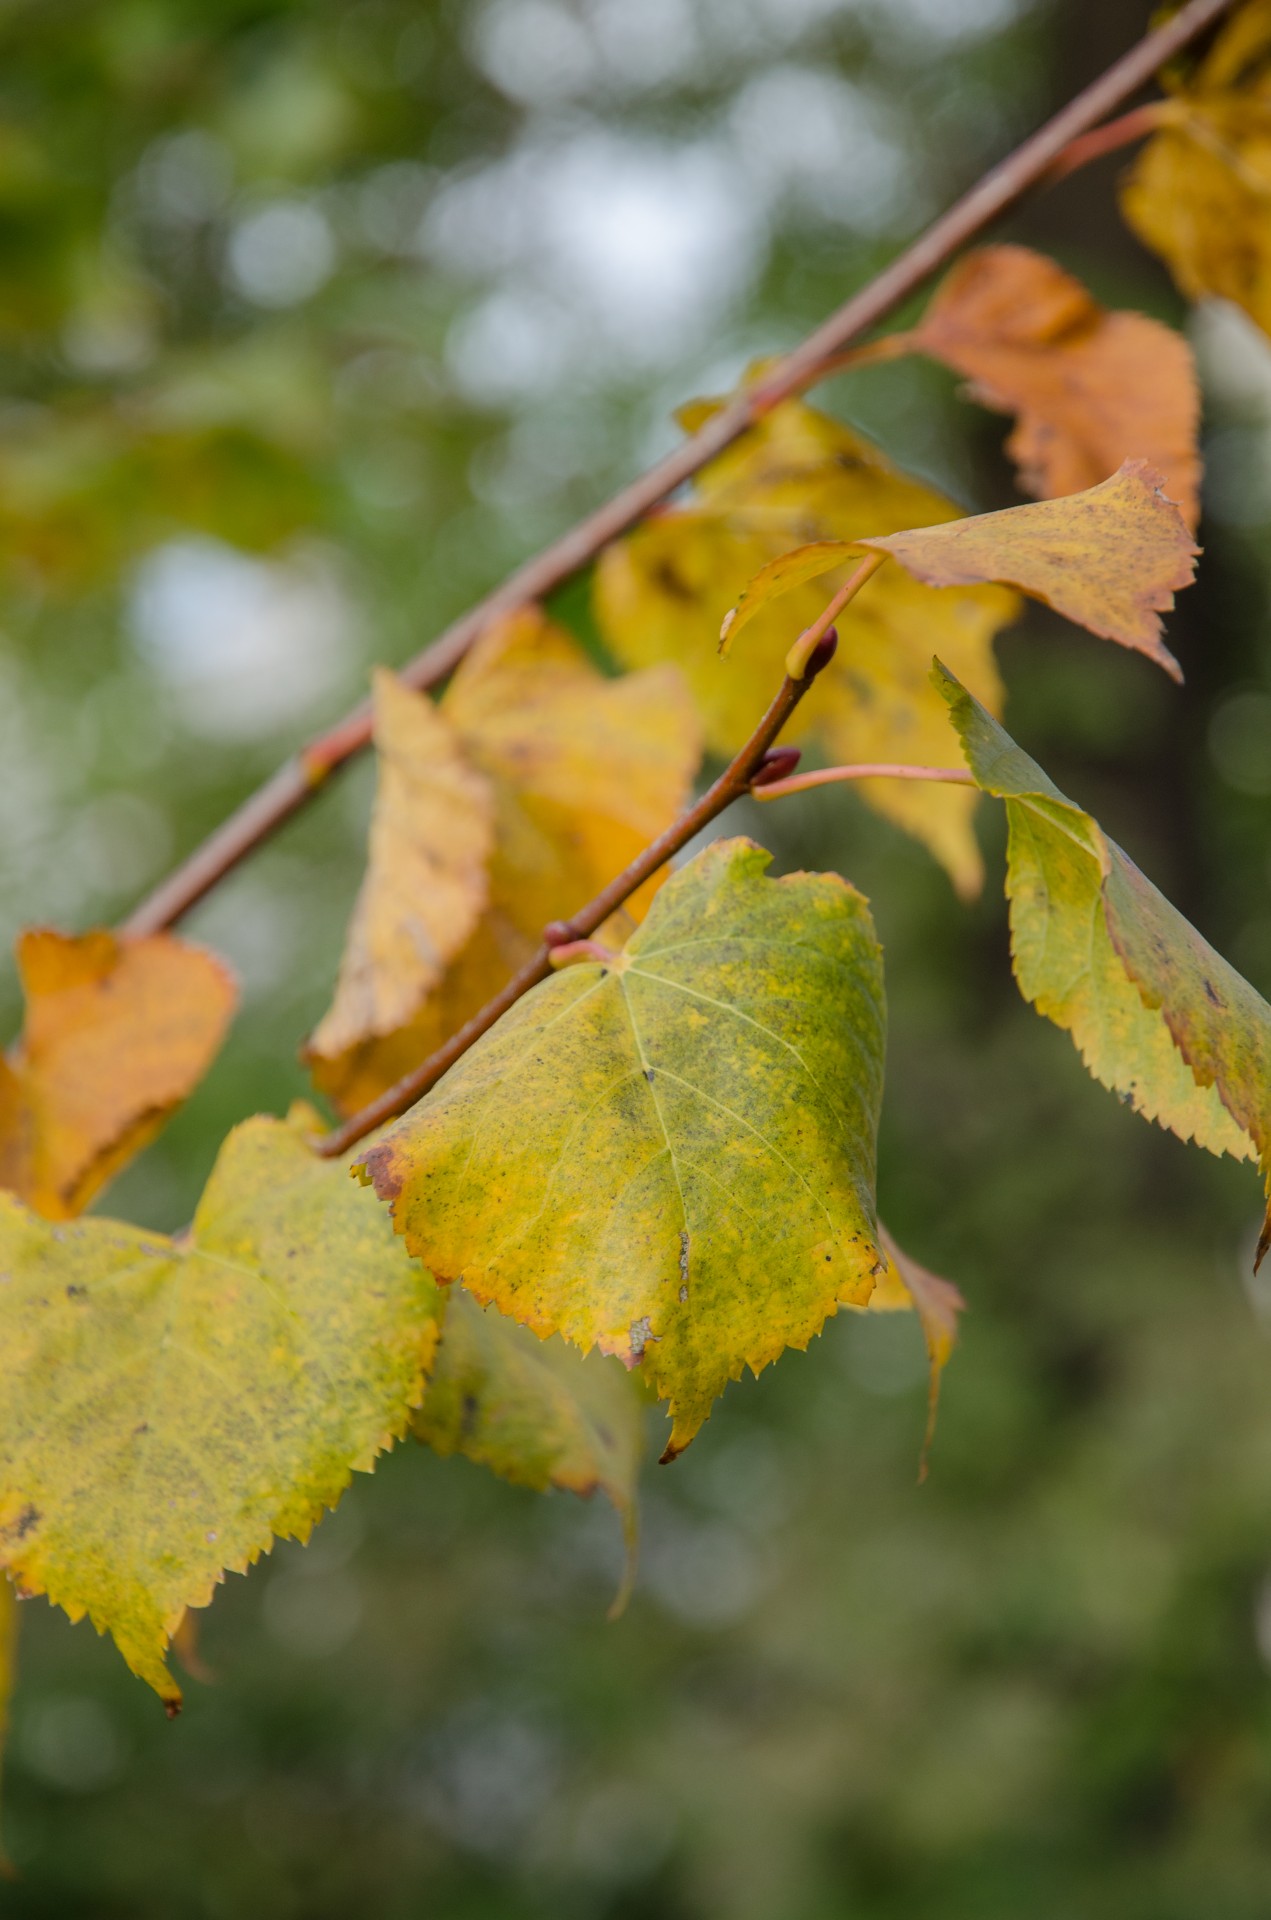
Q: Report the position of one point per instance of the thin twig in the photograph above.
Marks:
(731, 785)
(993, 194)
(861, 770)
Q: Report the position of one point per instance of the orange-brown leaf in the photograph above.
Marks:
(907, 1286)
(1090, 388)
(118, 1032)
(1110, 559)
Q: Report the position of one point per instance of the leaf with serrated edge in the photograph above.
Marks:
(1110, 558)
(797, 478)
(583, 771)
(536, 1412)
(118, 1033)
(1089, 388)
(1199, 191)
(426, 884)
(1156, 1014)
(168, 1407)
(670, 1156)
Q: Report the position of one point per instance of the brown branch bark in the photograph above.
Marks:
(732, 784)
(997, 190)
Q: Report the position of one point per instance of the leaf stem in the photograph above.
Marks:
(1112, 136)
(569, 936)
(861, 770)
(996, 191)
(810, 639)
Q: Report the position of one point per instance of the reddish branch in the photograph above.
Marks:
(736, 779)
(998, 190)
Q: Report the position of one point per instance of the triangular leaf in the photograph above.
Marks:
(1155, 1012)
(1090, 388)
(168, 1406)
(425, 887)
(118, 1032)
(905, 1286)
(670, 1156)
(536, 1412)
(583, 772)
(1199, 192)
(797, 478)
(1110, 559)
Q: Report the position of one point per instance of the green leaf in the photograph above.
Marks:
(669, 1156)
(534, 1411)
(1156, 1014)
(168, 1406)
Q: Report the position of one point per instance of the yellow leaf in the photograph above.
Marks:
(798, 479)
(118, 1032)
(1199, 192)
(536, 1412)
(425, 887)
(1155, 1013)
(1090, 388)
(584, 772)
(669, 1156)
(1109, 559)
(168, 1406)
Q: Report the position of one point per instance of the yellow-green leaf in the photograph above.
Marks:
(534, 1411)
(1110, 558)
(800, 479)
(1155, 1013)
(118, 1032)
(669, 1156)
(583, 773)
(1199, 192)
(1089, 388)
(426, 883)
(168, 1406)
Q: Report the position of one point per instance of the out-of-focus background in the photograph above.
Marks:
(314, 318)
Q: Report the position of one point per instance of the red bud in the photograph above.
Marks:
(822, 653)
(775, 765)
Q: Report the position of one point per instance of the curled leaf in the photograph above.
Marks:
(425, 886)
(118, 1032)
(907, 1287)
(1110, 559)
(1090, 388)
(669, 1156)
(533, 1411)
(1155, 1013)
(800, 480)
(581, 773)
(1199, 192)
(168, 1406)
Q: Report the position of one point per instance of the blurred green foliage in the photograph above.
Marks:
(314, 318)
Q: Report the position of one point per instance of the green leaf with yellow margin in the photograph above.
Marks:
(536, 1412)
(797, 478)
(1199, 192)
(168, 1406)
(671, 1155)
(1155, 1013)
